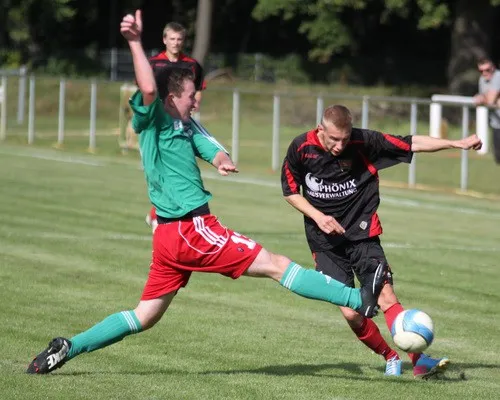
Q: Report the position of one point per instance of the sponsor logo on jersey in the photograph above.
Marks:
(318, 189)
(184, 126)
(178, 125)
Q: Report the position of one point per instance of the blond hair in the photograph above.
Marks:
(338, 116)
(174, 26)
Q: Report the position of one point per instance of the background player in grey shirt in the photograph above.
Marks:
(489, 91)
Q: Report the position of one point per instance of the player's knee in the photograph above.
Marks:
(280, 261)
(147, 320)
(353, 318)
(148, 316)
(266, 264)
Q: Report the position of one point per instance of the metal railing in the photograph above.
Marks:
(367, 103)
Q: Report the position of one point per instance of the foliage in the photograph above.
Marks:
(330, 29)
(32, 25)
(290, 69)
(34, 32)
(43, 34)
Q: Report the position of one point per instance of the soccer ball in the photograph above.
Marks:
(413, 331)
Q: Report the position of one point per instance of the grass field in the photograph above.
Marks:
(74, 248)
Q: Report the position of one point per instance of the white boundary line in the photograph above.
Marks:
(148, 238)
(395, 201)
(58, 158)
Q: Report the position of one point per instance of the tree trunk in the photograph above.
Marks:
(203, 30)
(470, 40)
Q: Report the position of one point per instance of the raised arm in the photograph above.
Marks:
(131, 29)
(427, 144)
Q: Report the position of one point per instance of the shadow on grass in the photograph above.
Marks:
(455, 373)
(351, 371)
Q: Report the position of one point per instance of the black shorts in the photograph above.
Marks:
(351, 259)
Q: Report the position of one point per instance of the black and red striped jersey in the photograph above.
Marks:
(162, 65)
(345, 186)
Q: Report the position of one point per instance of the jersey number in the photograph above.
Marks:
(240, 239)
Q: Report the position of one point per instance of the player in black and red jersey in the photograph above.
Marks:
(174, 35)
(330, 174)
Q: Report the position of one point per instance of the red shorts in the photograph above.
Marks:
(200, 244)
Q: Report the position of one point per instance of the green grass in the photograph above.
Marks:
(74, 248)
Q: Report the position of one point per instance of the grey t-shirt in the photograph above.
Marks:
(485, 86)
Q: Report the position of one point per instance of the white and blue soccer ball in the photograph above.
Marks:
(413, 331)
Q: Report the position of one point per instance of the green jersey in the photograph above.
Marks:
(169, 148)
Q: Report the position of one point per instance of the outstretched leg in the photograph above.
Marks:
(110, 330)
(314, 285)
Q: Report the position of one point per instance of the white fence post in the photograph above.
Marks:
(464, 166)
(3, 108)
(62, 100)
(276, 133)
(435, 120)
(365, 112)
(21, 98)
(482, 127)
(235, 139)
(412, 171)
(320, 105)
(113, 62)
(31, 111)
(93, 107)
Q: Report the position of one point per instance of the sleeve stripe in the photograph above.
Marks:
(369, 166)
(397, 142)
(290, 180)
(207, 135)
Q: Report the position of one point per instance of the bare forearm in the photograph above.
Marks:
(300, 203)
(224, 164)
(427, 144)
(143, 72)
(487, 99)
(491, 97)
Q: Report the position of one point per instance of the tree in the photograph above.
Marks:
(31, 26)
(330, 30)
(203, 30)
(329, 33)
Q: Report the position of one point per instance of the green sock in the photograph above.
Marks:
(110, 330)
(314, 285)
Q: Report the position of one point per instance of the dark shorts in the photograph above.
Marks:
(351, 259)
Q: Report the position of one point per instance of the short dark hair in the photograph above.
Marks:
(339, 116)
(173, 81)
(485, 60)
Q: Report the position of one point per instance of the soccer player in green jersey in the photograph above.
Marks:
(189, 238)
